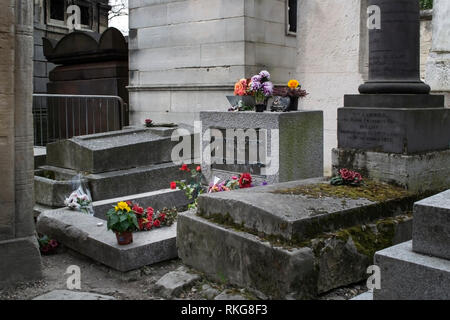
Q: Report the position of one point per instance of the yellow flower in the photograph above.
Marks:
(293, 84)
(117, 208)
(123, 206)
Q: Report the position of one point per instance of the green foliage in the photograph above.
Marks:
(122, 220)
(170, 216)
(426, 4)
(192, 187)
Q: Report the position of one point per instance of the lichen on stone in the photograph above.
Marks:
(370, 190)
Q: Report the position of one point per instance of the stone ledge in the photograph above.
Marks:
(80, 232)
(431, 230)
(406, 275)
(417, 173)
(274, 210)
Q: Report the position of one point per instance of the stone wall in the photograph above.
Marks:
(426, 35)
(332, 58)
(185, 56)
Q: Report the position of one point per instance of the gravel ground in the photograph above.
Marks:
(135, 285)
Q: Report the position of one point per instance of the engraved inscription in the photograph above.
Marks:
(368, 128)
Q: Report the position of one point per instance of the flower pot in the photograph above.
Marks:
(293, 104)
(248, 101)
(124, 238)
(260, 107)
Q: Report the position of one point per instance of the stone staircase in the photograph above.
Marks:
(132, 164)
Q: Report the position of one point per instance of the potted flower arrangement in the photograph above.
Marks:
(123, 221)
(242, 99)
(293, 91)
(262, 88)
(251, 93)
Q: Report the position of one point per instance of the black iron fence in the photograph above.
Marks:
(58, 116)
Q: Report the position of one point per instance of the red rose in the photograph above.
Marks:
(173, 185)
(162, 217)
(141, 224)
(157, 223)
(199, 169)
(357, 176)
(148, 225)
(150, 212)
(138, 210)
(346, 174)
(245, 181)
(184, 167)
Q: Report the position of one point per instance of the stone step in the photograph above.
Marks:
(431, 231)
(89, 236)
(407, 275)
(286, 210)
(111, 151)
(52, 192)
(165, 198)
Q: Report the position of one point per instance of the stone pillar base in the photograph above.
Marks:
(21, 261)
(418, 172)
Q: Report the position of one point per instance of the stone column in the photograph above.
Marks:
(19, 252)
(394, 60)
(438, 65)
(395, 131)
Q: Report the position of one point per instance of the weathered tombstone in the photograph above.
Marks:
(19, 251)
(395, 131)
(272, 146)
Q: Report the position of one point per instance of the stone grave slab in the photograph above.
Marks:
(407, 275)
(431, 226)
(83, 234)
(111, 151)
(300, 210)
(52, 192)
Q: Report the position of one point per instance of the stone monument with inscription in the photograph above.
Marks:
(394, 130)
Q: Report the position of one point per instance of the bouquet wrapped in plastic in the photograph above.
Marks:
(80, 199)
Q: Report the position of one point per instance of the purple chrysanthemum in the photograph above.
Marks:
(267, 88)
(265, 74)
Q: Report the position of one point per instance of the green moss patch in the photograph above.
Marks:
(370, 190)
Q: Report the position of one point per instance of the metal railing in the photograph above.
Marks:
(58, 116)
